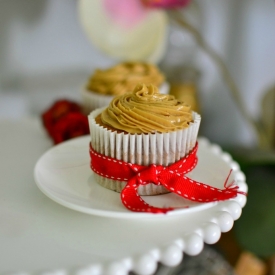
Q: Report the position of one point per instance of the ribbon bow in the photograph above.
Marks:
(171, 177)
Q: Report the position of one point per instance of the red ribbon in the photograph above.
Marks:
(171, 177)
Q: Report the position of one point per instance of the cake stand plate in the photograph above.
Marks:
(39, 236)
(63, 174)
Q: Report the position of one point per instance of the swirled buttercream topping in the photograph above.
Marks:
(145, 110)
(124, 77)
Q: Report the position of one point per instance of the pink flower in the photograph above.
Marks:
(166, 4)
(126, 13)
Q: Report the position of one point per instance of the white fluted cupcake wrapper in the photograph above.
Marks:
(92, 100)
(144, 149)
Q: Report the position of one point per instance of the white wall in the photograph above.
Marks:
(41, 35)
(243, 33)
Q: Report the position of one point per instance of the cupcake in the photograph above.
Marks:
(143, 127)
(103, 85)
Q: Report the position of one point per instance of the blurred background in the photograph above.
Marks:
(45, 55)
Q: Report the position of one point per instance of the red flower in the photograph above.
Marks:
(166, 4)
(64, 120)
(59, 109)
(70, 126)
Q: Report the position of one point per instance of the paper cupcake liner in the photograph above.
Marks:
(92, 100)
(143, 149)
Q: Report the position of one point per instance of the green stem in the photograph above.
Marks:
(258, 127)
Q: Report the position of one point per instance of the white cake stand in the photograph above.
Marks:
(101, 237)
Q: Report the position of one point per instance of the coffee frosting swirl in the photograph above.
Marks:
(124, 77)
(145, 110)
